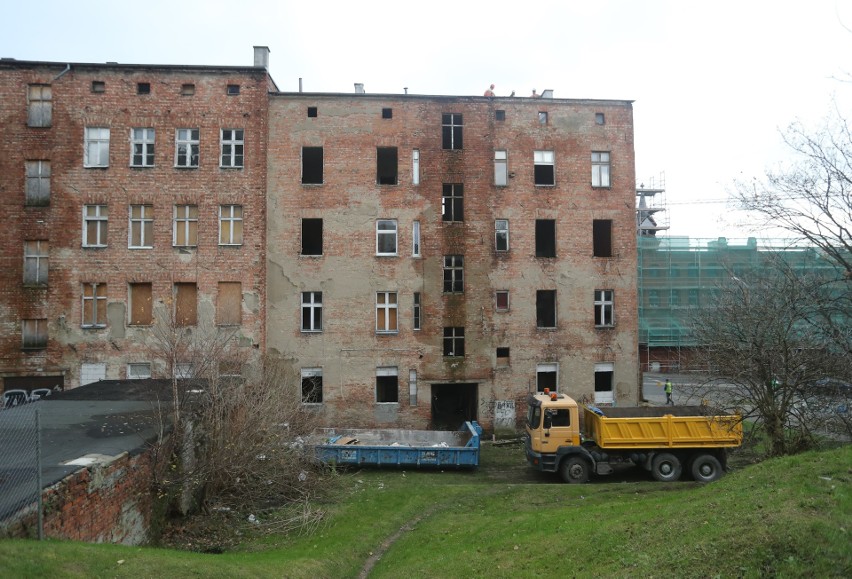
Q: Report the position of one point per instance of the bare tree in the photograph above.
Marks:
(763, 343)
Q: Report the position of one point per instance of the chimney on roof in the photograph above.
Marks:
(359, 88)
(261, 56)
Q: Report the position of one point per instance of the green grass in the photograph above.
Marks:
(785, 517)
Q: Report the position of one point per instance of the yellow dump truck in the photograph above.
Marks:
(664, 440)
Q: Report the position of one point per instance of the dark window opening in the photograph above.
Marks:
(599, 118)
(312, 389)
(143, 88)
(452, 202)
(500, 115)
(312, 112)
(603, 381)
(387, 113)
(560, 417)
(311, 236)
(502, 356)
(233, 89)
(602, 237)
(386, 165)
(451, 131)
(454, 341)
(545, 238)
(546, 379)
(98, 86)
(545, 308)
(544, 175)
(387, 389)
(187, 89)
(453, 274)
(312, 165)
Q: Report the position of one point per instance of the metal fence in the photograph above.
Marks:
(20, 461)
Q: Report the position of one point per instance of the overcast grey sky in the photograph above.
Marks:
(713, 83)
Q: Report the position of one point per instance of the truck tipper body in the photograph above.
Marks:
(393, 447)
(578, 441)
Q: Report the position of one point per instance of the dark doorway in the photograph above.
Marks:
(30, 383)
(453, 404)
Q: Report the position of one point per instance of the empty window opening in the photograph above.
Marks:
(143, 88)
(545, 238)
(311, 311)
(500, 115)
(186, 304)
(502, 356)
(600, 119)
(501, 168)
(454, 341)
(229, 303)
(600, 169)
(545, 308)
(501, 235)
(311, 236)
(38, 183)
(141, 304)
(602, 237)
(604, 308)
(545, 168)
(386, 165)
(387, 113)
(452, 131)
(453, 274)
(187, 89)
(452, 202)
(502, 300)
(311, 165)
(387, 385)
(604, 383)
(98, 86)
(311, 385)
(546, 376)
(416, 311)
(312, 112)
(233, 89)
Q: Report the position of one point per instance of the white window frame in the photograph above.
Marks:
(412, 387)
(415, 167)
(96, 147)
(501, 226)
(497, 307)
(310, 303)
(501, 168)
(547, 367)
(231, 141)
(227, 222)
(605, 396)
(36, 252)
(601, 169)
(37, 190)
(101, 217)
(604, 303)
(385, 303)
(184, 222)
(387, 229)
(190, 141)
(545, 158)
(139, 370)
(94, 300)
(416, 248)
(142, 145)
(146, 216)
(310, 373)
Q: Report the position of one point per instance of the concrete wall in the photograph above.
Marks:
(76, 106)
(349, 273)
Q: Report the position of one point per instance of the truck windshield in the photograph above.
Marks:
(534, 416)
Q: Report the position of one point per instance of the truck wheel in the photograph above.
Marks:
(666, 467)
(574, 470)
(706, 468)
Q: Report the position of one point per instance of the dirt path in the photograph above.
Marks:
(376, 555)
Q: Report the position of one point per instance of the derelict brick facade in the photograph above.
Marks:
(434, 389)
(108, 96)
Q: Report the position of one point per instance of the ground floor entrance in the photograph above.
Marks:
(453, 404)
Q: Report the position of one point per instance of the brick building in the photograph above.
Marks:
(127, 190)
(434, 258)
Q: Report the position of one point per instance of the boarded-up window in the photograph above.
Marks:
(602, 237)
(34, 334)
(39, 105)
(186, 304)
(36, 259)
(229, 303)
(94, 305)
(38, 183)
(140, 308)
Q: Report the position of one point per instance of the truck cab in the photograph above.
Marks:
(552, 430)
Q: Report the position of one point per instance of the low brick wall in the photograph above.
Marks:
(104, 503)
